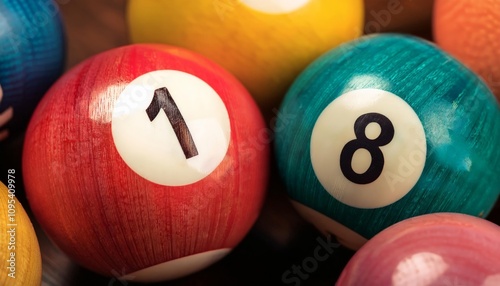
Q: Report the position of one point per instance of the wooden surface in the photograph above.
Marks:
(402, 16)
(93, 26)
(280, 239)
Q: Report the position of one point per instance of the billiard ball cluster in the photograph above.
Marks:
(143, 159)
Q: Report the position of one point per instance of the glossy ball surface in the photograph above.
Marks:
(144, 161)
(21, 262)
(470, 31)
(433, 249)
(385, 128)
(266, 44)
(31, 58)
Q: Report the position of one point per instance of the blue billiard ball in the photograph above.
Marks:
(32, 52)
(385, 128)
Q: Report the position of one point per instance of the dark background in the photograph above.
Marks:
(280, 239)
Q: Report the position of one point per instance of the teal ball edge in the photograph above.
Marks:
(32, 57)
(461, 173)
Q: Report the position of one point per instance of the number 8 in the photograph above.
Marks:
(371, 145)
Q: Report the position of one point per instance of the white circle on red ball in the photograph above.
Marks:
(151, 148)
(404, 156)
(275, 6)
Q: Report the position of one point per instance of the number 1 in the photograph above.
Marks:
(162, 100)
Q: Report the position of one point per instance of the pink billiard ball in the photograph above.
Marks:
(142, 161)
(433, 249)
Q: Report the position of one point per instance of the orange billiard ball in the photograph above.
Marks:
(470, 31)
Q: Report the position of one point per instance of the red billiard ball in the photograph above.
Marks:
(434, 249)
(143, 161)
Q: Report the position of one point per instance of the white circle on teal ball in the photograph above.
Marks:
(404, 154)
(151, 147)
(275, 6)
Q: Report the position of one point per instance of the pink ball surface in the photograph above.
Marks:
(435, 249)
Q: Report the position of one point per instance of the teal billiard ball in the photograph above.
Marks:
(32, 53)
(386, 128)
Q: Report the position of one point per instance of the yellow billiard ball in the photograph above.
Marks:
(264, 43)
(21, 262)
